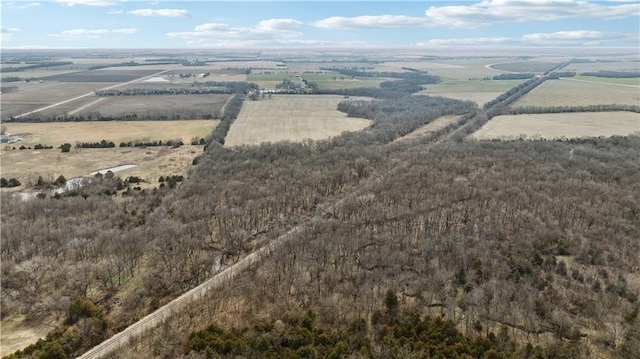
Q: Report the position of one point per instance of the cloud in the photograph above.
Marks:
(493, 11)
(115, 12)
(92, 33)
(370, 22)
(471, 41)
(30, 5)
(87, 2)
(159, 12)
(7, 32)
(578, 38)
(269, 30)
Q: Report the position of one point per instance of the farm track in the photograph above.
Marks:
(175, 306)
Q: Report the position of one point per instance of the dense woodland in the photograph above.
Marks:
(529, 247)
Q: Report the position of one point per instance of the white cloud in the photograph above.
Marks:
(7, 32)
(30, 5)
(370, 22)
(87, 2)
(265, 31)
(115, 12)
(471, 41)
(92, 33)
(489, 12)
(577, 38)
(159, 12)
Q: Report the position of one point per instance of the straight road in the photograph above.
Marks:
(92, 93)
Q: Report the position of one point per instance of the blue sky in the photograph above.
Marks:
(312, 24)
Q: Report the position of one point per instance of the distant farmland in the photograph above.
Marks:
(291, 118)
(559, 125)
(569, 92)
(525, 66)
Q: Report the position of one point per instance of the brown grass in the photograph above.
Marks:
(19, 333)
(152, 162)
(560, 125)
(568, 92)
(291, 118)
(433, 126)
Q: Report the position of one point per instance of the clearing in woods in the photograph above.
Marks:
(152, 162)
(433, 126)
(291, 118)
(560, 125)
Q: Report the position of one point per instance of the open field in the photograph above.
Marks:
(478, 91)
(433, 126)
(291, 118)
(31, 96)
(157, 105)
(102, 75)
(151, 162)
(627, 66)
(525, 66)
(450, 69)
(568, 92)
(607, 80)
(57, 133)
(560, 125)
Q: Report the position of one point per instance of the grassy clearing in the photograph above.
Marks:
(152, 162)
(18, 333)
(433, 126)
(291, 118)
(55, 134)
(568, 92)
(560, 125)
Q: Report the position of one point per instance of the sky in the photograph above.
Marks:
(312, 24)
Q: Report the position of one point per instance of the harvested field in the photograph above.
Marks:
(102, 75)
(560, 125)
(627, 66)
(452, 69)
(477, 91)
(433, 126)
(33, 95)
(568, 92)
(159, 105)
(291, 118)
(608, 80)
(57, 133)
(525, 66)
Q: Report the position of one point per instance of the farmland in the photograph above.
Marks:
(556, 126)
(290, 118)
(479, 91)
(431, 127)
(26, 165)
(569, 92)
(525, 66)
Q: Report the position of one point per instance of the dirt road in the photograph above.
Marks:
(156, 318)
(92, 93)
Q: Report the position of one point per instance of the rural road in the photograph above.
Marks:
(92, 93)
(175, 306)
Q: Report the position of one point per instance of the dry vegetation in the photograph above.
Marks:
(429, 128)
(290, 118)
(567, 92)
(27, 165)
(560, 125)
